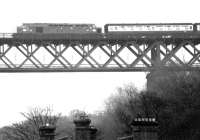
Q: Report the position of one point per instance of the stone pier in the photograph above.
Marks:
(83, 130)
(145, 129)
(47, 132)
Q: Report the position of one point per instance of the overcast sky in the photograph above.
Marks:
(87, 91)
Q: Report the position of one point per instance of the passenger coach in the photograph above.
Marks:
(149, 28)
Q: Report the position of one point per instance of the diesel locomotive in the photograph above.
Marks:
(57, 31)
(48, 28)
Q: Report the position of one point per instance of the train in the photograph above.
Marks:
(66, 29)
(48, 28)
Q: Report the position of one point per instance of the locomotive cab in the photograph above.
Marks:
(39, 29)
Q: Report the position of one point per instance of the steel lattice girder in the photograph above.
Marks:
(100, 56)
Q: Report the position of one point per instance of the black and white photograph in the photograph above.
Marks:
(99, 70)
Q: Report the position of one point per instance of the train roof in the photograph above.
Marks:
(150, 23)
(57, 24)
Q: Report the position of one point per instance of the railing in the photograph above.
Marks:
(6, 35)
(65, 138)
(126, 138)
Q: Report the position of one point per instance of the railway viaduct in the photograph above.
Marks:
(117, 53)
(100, 53)
(104, 53)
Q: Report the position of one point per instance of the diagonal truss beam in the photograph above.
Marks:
(87, 52)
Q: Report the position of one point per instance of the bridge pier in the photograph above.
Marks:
(156, 63)
(155, 54)
(145, 129)
(83, 130)
(47, 132)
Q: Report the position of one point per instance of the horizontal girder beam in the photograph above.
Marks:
(138, 69)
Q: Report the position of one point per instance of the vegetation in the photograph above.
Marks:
(172, 97)
(29, 129)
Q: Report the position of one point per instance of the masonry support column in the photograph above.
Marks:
(47, 132)
(93, 133)
(83, 130)
(156, 63)
(145, 129)
(155, 54)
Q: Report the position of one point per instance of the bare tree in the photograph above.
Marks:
(29, 129)
(41, 116)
